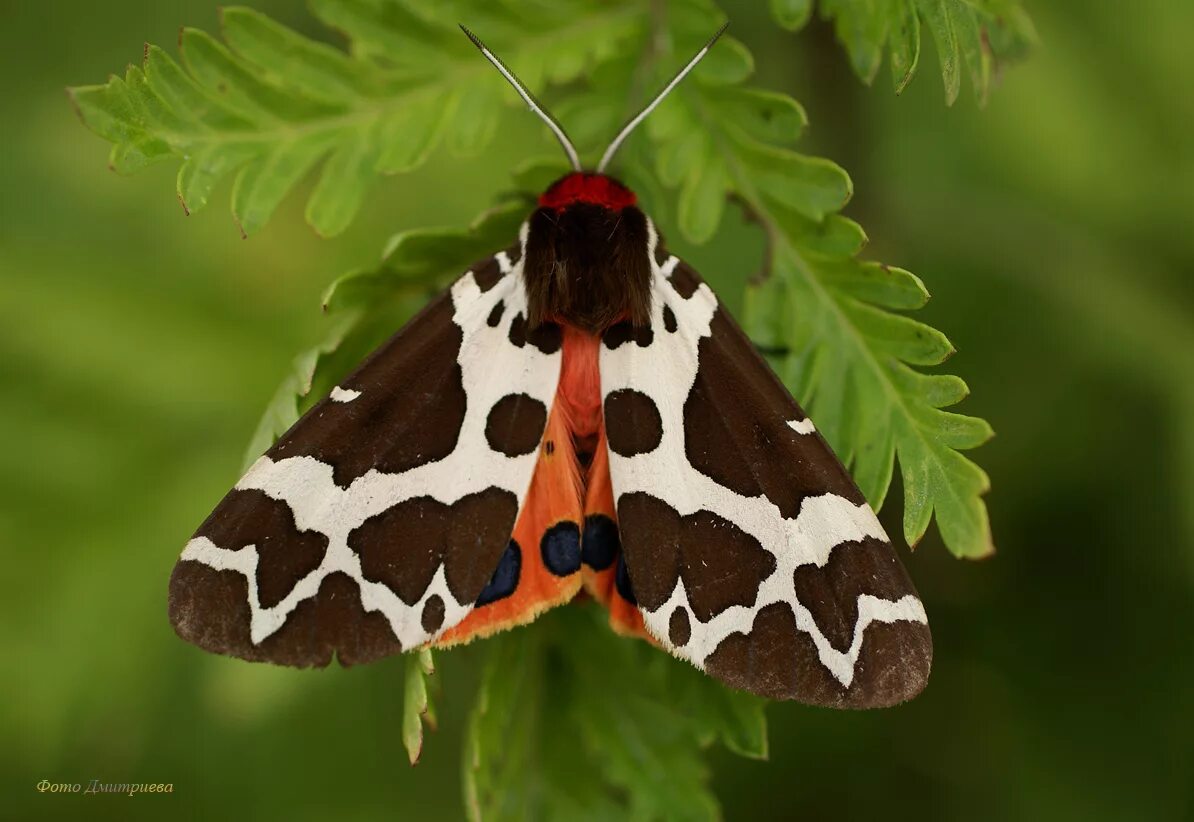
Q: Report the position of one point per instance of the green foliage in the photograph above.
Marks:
(417, 710)
(636, 721)
(268, 105)
(974, 33)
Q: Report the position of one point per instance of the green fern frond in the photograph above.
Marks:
(976, 34)
(269, 105)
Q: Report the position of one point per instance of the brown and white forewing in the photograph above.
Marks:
(749, 549)
(379, 519)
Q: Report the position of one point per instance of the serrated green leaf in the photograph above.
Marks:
(849, 353)
(976, 52)
(702, 201)
(264, 181)
(475, 118)
(270, 104)
(638, 721)
(341, 189)
(407, 137)
(289, 60)
(904, 31)
(731, 62)
(861, 27)
(765, 116)
(417, 712)
(792, 14)
(939, 16)
(977, 33)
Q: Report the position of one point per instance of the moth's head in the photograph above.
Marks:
(587, 258)
(590, 188)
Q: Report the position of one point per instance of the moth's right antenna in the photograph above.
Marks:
(556, 128)
(642, 115)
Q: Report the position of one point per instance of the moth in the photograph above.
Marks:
(576, 413)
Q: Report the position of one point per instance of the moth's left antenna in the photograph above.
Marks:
(555, 127)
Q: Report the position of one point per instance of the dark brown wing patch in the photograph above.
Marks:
(779, 661)
(486, 274)
(720, 563)
(404, 545)
(210, 608)
(831, 593)
(285, 554)
(736, 428)
(685, 280)
(515, 424)
(634, 424)
(423, 428)
(679, 628)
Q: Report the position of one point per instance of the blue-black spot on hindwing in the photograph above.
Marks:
(622, 581)
(495, 316)
(560, 547)
(600, 545)
(505, 577)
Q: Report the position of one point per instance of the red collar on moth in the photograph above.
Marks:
(586, 187)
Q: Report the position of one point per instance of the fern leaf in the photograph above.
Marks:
(975, 34)
(268, 105)
(638, 721)
(417, 710)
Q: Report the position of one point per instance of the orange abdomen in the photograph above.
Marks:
(579, 392)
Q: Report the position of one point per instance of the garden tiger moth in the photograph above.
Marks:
(577, 412)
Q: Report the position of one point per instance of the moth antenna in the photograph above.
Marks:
(642, 115)
(555, 127)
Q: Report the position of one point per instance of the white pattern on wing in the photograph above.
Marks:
(343, 394)
(491, 369)
(823, 523)
(804, 426)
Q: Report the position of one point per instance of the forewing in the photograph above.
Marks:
(749, 549)
(375, 523)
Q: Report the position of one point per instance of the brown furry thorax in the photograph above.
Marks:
(587, 259)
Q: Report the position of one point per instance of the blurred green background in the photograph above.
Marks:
(1053, 228)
